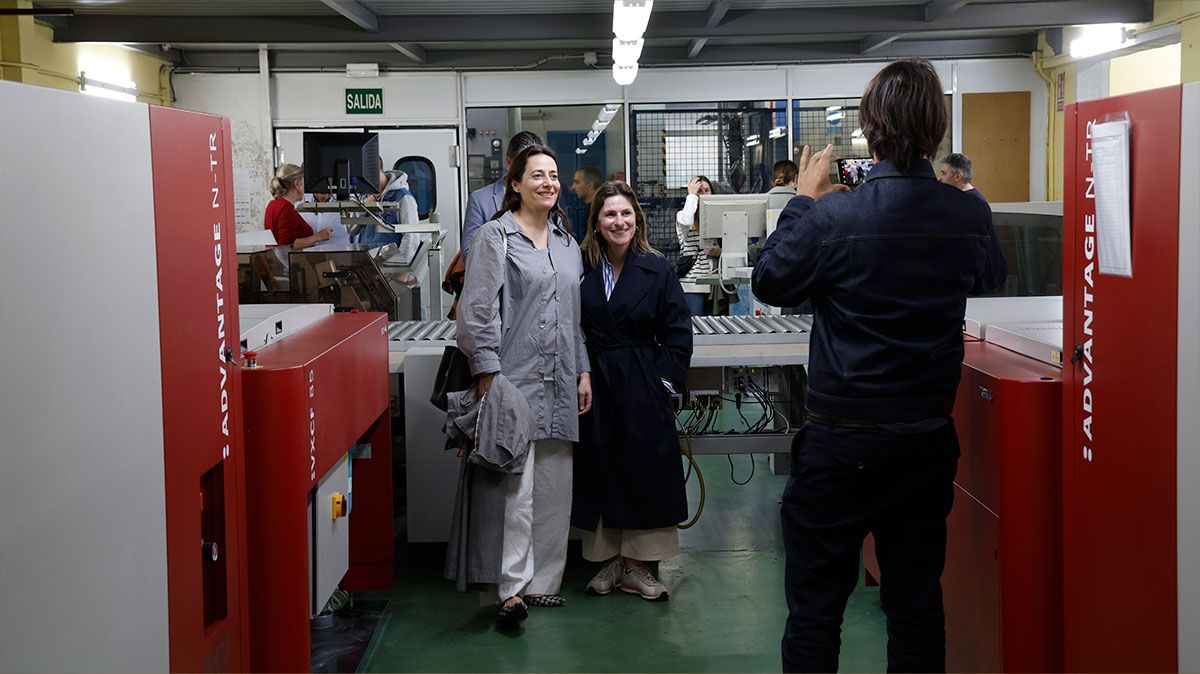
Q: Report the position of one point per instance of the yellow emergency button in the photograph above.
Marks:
(339, 505)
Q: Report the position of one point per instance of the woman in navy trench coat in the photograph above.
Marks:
(629, 485)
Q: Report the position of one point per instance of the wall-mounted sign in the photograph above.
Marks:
(364, 101)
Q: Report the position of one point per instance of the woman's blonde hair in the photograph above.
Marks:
(784, 172)
(284, 177)
(593, 241)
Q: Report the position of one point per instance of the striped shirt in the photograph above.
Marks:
(690, 244)
(608, 275)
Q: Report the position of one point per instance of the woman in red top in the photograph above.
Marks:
(282, 219)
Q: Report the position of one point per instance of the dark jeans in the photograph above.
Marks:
(846, 482)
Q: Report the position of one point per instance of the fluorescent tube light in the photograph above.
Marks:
(1098, 39)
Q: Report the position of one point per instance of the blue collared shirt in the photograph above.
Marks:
(608, 275)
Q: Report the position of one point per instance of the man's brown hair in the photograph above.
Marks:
(903, 113)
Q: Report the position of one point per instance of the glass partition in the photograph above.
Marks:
(733, 144)
(564, 129)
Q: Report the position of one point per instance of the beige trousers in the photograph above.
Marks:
(644, 545)
(537, 521)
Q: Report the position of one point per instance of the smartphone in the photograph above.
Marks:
(853, 172)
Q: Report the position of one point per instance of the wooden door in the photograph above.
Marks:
(995, 128)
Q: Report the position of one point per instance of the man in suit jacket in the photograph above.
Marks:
(483, 203)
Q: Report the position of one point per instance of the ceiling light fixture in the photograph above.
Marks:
(1098, 39)
(626, 52)
(630, 18)
(362, 70)
(624, 75)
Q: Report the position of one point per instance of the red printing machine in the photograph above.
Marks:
(316, 407)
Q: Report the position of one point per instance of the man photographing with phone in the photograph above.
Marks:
(888, 268)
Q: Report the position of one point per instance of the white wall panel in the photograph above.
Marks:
(671, 85)
(83, 558)
(408, 99)
(558, 87)
(240, 98)
(843, 80)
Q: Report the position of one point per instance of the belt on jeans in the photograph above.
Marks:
(838, 421)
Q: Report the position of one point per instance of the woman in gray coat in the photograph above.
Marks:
(519, 314)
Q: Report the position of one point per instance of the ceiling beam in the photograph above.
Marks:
(936, 9)
(27, 11)
(876, 42)
(695, 46)
(355, 12)
(433, 29)
(716, 13)
(335, 61)
(413, 51)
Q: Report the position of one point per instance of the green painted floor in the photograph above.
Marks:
(725, 614)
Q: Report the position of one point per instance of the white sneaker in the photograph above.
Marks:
(638, 580)
(609, 578)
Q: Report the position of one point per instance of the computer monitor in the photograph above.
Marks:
(343, 163)
(716, 210)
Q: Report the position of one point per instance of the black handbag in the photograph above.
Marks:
(453, 374)
(684, 264)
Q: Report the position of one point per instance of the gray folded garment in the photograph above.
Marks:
(497, 429)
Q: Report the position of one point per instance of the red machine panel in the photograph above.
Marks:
(1003, 576)
(1004, 558)
(313, 396)
(1119, 405)
(197, 271)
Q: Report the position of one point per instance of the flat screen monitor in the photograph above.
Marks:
(715, 208)
(343, 163)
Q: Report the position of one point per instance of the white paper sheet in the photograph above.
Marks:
(1110, 170)
(243, 198)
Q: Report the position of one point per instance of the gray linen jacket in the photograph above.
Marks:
(494, 434)
(496, 428)
(519, 314)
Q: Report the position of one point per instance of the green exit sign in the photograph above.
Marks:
(364, 101)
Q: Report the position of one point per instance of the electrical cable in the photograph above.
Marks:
(687, 452)
(734, 479)
(774, 410)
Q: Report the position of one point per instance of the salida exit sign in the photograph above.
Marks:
(364, 101)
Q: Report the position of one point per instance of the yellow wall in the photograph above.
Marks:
(1144, 70)
(1189, 41)
(1054, 135)
(30, 55)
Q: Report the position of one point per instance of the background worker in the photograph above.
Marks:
(955, 169)
(484, 203)
(287, 187)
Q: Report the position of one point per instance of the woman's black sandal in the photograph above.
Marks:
(510, 615)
